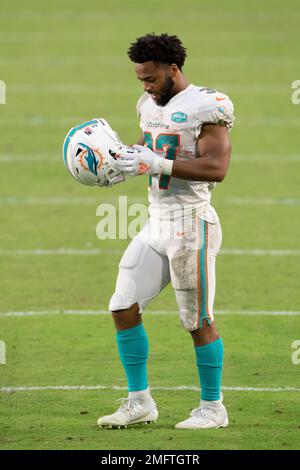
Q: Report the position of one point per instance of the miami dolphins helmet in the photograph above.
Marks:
(88, 153)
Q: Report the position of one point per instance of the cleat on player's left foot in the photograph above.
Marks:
(210, 414)
(132, 411)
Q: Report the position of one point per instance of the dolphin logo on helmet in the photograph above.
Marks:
(89, 157)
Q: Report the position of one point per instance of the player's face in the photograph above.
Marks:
(157, 80)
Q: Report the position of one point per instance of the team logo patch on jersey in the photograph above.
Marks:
(179, 117)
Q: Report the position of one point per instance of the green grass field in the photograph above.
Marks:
(65, 62)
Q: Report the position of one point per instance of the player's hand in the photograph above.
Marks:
(140, 161)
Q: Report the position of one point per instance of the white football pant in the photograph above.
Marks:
(182, 251)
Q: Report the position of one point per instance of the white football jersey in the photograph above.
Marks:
(172, 131)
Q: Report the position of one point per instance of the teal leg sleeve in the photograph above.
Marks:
(210, 362)
(133, 351)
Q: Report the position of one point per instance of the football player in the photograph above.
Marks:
(185, 149)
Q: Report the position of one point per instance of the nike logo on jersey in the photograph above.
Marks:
(220, 99)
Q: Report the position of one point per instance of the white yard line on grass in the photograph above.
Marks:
(49, 60)
(65, 88)
(30, 158)
(179, 388)
(62, 252)
(64, 200)
(264, 158)
(269, 122)
(34, 37)
(67, 200)
(117, 252)
(258, 252)
(263, 201)
(38, 313)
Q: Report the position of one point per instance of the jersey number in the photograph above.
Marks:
(164, 142)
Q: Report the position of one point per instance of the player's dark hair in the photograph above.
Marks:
(158, 48)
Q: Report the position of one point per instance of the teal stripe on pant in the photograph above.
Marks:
(133, 350)
(210, 363)
(203, 268)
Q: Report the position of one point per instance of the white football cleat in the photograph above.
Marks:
(138, 409)
(210, 414)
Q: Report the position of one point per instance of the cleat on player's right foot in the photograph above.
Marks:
(208, 416)
(132, 411)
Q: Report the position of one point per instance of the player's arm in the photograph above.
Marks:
(214, 148)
